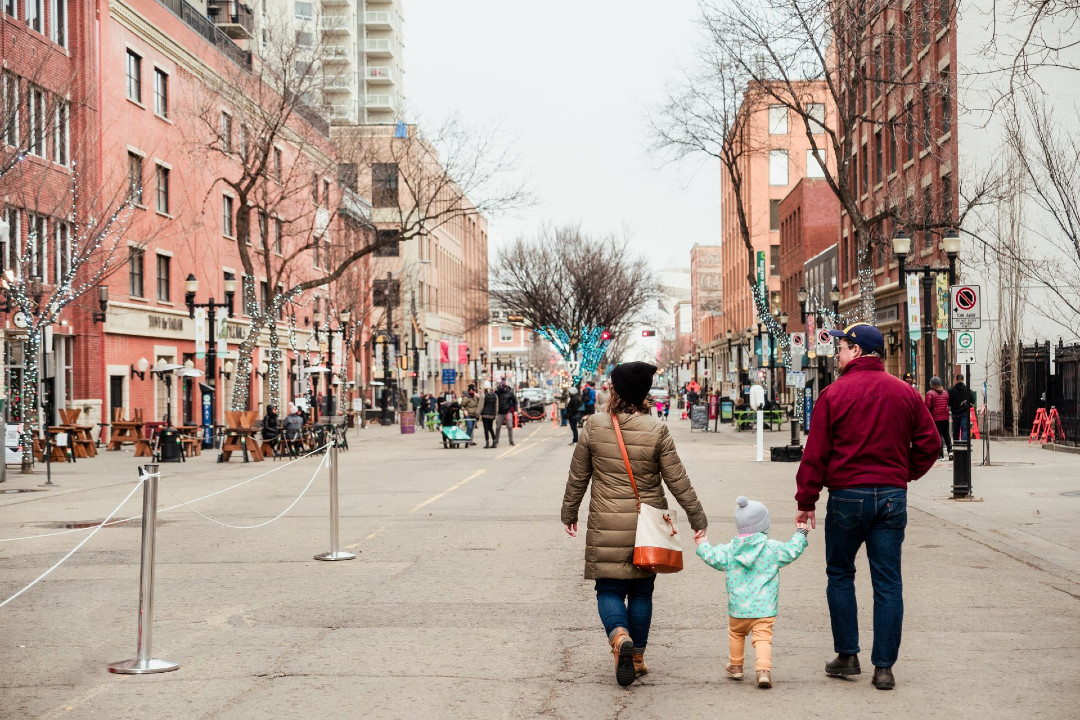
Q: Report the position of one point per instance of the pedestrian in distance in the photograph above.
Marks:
(271, 425)
(752, 562)
(563, 399)
(910, 380)
(937, 400)
(573, 413)
(588, 399)
(508, 406)
(470, 403)
(489, 408)
(623, 591)
(960, 402)
(872, 436)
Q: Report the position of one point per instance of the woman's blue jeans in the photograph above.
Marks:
(627, 604)
(877, 517)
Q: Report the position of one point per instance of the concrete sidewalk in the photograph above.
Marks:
(466, 600)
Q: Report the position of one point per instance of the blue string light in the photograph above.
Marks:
(590, 342)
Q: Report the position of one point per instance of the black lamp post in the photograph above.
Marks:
(342, 329)
(483, 361)
(901, 247)
(191, 286)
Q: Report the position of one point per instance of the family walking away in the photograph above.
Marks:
(623, 591)
(752, 562)
(872, 435)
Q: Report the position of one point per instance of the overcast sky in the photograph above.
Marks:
(573, 82)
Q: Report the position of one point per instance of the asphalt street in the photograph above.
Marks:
(467, 599)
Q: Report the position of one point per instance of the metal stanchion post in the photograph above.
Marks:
(334, 553)
(961, 487)
(143, 663)
(760, 435)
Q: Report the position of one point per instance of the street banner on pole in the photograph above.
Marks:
(222, 333)
(942, 293)
(761, 273)
(914, 317)
(200, 333)
(811, 333)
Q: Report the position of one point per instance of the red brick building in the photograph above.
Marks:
(905, 160)
(809, 222)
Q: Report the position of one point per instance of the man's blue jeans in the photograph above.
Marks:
(627, 604)
(877, 517)
(960, 425)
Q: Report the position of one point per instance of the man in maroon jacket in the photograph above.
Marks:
(872, 435)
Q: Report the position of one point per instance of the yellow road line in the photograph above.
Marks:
(450, 489)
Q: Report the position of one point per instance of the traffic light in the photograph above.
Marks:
(403, 362)
(605, 335)
(648, 333)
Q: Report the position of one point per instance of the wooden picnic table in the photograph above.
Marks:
(747, 419)
(123, 432)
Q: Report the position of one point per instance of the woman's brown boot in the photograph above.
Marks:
(622, 647)
(640, 668)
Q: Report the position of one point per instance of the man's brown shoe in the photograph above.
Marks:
(622, 647)
(883, 678)
(734, 671)
(764, 679)
(843, 666)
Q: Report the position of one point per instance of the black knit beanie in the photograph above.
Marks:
(633, 380)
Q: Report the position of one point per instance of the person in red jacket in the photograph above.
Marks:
(872, 435)
(937, 400)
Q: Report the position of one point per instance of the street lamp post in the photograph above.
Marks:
(191, 286)
(901, 247)
(951, 245)
(344, 317)
(388, 387)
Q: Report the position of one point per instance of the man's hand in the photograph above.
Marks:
(571, 530)
(805, 516)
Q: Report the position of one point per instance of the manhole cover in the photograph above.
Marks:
(95, 523)
(1071, 493)
(995, 463)
(12, 491)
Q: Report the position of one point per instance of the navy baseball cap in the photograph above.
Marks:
(865, 335)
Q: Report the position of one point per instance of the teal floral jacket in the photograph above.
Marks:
(753, 567)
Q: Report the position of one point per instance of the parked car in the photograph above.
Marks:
(534, 396)
(659, 394)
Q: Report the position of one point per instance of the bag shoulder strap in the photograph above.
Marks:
(625, 457)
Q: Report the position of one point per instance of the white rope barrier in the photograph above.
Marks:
(142, 479)
(171, 507)
(262, 524)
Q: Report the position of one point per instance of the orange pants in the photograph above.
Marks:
(760, 630)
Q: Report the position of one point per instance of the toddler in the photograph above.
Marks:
(752, 562)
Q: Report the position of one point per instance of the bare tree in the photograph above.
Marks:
(77, 234)
(828, 62)
(565, 280)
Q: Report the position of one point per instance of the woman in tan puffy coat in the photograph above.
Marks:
(623, 592)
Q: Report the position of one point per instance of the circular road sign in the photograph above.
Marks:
(965, 340)
(824, 337)
(966, 298)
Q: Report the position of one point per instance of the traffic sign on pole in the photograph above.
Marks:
(965, 347)
(965, 312)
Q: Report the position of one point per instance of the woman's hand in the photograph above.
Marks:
(571, 530)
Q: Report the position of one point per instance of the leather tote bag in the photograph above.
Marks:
(656, 544)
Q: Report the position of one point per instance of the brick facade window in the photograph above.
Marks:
(135, 272)
(161, 93)
(134, 76)
(163, 189)
(164, 275)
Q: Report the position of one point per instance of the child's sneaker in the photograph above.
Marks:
(763, 679)
(733, 671)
